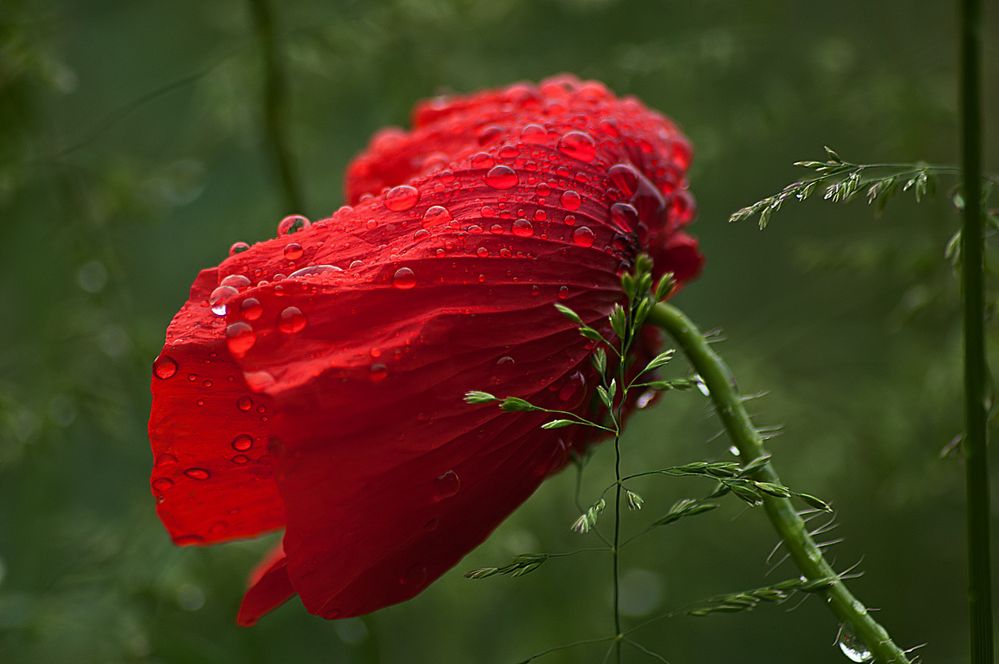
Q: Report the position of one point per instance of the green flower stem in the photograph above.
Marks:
(975, 369)
(785, 519)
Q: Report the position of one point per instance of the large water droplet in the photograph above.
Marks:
(570, 200)
(501, 177)
(313, 270)
(533, 133)
(523, 228)
(238, 248)
(435, 216)
(237, 281)
(583, 237)
(578, 145)
(852, 647)
(404, 278)
(292, 320)
(624, 216)
(251, 308)
(164, 367)
(624, 177)
(239, 338)
(446, 485)
(242, 442)
(293, 224)
(219, 297)
(401, 198)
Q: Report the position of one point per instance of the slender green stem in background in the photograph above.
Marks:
(617, 547)
(975, 371)
(789, 525)
(275, 99)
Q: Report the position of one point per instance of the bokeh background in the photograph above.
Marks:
(132, 154)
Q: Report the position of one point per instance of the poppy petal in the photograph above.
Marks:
(269, 588)
(211, 482)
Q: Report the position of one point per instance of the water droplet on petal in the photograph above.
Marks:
(401, 198)
(313, 270)
(240, 337)
(501, 177)
(435, 216)
(446, 485)
(624, 177)
(244, 403)
(578, 145)
(251, 308)
(482, 160)
(583, 237)
(237, 281)
(293, 251)
(238, 248)
(533, 133)
(162, 484)
(570, 200)
(404, 278)
(199, 474)
(164, 367)
(523, 228)
(292, 320)
(240, 459)
(624, 216)
(219, 297)
(242, 442)
(563, 293)
(292, 224)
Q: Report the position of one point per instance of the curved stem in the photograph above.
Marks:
(786, 521)
(975, 370)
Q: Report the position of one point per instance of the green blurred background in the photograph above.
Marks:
(131, 155)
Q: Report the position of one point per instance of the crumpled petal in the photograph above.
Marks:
(369, 327)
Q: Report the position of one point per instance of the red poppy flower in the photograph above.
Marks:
(314, 381)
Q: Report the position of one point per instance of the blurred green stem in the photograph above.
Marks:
(975, 369)
(786, 521)
(275, 99)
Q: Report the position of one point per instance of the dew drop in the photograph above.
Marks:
(624, 177)
(501, 177)
(237, 281)
(251, 308)
(240, 337)
(482, 252)
(292, 224)
(238, 248)
(313, 270)
(219, 297)
(624, 216)
(199, 474)
(852, 647)
(293, 251)
(244, 403)
(292, 320)
(533, 133)
(404, 278)
(446, 485)
(161, 484)
(523, 228)
(165, 459)
(578, 145)
(164, 367)
(401, 198)
(240, 459)
(583, 237)
(435, 216)
(563, 293)
(242, 442)
(482, 160)
(570, 200)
